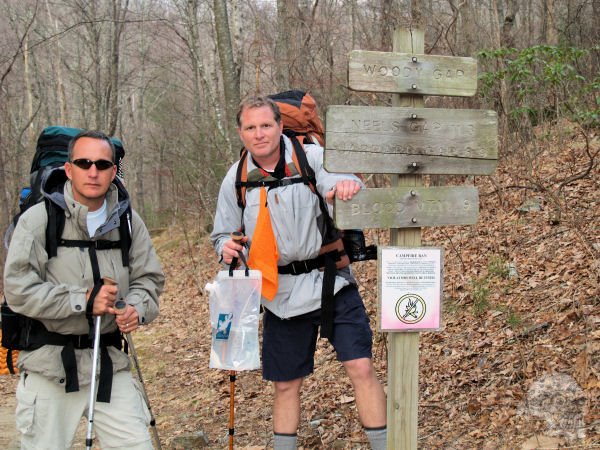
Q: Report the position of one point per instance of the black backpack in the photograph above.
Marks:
(51, 151)
(20, 332)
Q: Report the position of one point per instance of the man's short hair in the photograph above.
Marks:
(94, 134)
(257, 101)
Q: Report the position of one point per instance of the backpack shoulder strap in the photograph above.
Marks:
(308, 175)
(55, 227)
(301, 161)
(241, 177)
(125, 235)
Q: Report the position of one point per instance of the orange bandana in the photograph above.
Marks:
(263, 253)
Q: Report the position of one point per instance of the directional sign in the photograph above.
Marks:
(412, 74)
(374, 139)
(405, 207)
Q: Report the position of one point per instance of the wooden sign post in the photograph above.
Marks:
(407, 141)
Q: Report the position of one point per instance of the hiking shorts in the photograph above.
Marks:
(289, 344)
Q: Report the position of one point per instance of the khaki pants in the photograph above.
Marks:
(47, 417)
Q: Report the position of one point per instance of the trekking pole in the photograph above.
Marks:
(236, 236)
(92, 403)
(231, 407)
(120, 306)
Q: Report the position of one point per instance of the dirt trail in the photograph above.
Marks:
(9, 438)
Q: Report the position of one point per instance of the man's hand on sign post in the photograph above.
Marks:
(343, 190)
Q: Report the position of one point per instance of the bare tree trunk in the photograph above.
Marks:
(5, 203)
(112, 102)
(162, 164)
(94, 30)
(140, 188)
(236, 26)
(595, 14)
(354, 24)
(466, 28)
(387, 23)
(230, 73)
(416, 12)
(510, 14)
(453, 28)
(28, 89)
(529, 23)
(282, 47)
(57, 71)
(497, 43)
(202, 88)
(549, 22)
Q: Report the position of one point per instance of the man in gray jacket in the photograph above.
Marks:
(65, 292)
(293, 316)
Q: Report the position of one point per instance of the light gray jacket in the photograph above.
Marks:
(54, 290)
(294, 211)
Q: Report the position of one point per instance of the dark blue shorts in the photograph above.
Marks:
(289, 344)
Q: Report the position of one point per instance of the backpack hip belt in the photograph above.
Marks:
(70, 342)
(308, 265)
(41, 337)
(328, 262)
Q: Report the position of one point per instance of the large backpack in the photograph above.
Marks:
(51, 151)
(20, 332)
(302, 125)
(299, 115)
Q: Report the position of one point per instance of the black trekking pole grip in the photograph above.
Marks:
(120, 306)
(237, 236)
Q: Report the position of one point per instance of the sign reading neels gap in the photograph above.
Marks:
(375, 139)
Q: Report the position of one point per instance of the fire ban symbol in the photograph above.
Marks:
(410, 308)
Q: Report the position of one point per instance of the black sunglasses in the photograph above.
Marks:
(85, 164)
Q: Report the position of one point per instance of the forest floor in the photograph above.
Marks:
(516, 364)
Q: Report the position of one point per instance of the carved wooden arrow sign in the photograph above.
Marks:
(374, 139)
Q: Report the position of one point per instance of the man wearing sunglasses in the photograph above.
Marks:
(66, 292)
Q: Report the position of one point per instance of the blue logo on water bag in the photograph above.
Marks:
(224, 326)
